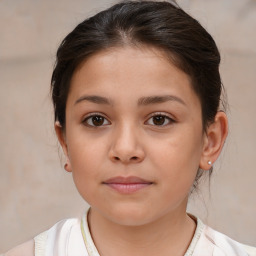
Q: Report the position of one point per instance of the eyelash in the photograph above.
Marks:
(167, 117)
(90, 116)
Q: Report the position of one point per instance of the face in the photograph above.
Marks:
(134, 136)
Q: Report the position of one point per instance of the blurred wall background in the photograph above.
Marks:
(35, 191)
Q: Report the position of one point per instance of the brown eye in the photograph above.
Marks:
(160, 120)
(96, 120)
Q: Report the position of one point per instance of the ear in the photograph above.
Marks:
(62, 140)
(214, 140)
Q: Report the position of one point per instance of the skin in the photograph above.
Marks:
(130, 142)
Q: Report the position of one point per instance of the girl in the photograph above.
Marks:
(136, 93)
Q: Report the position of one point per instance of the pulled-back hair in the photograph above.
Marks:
(162, 25)
(159, 24)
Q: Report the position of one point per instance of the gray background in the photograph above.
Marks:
(35, 191)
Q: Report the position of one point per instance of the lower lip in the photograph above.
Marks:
(128, 188)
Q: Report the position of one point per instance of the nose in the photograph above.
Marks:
(126, 146)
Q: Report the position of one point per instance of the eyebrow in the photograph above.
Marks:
(94, 99)
(143, 101)
(159, 99)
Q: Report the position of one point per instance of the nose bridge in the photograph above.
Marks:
(125, 137)
(126, 144)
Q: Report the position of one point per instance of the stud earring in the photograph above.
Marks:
(210, 162)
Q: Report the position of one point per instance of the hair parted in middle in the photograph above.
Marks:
(158, 24)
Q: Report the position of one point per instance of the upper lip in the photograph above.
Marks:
(127, 180)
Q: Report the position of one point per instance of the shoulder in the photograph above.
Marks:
(62, 227)
(250, 250)
(25, 249)
(64, 238)
(57, 239)
(224, 245)
(59, 233)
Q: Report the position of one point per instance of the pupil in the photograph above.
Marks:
(158, 120)
(97, 120)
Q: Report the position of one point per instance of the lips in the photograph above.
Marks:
(127, 185)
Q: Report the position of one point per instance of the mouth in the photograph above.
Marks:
(127, 185)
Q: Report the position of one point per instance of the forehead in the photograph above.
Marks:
(130, 70)
(125, 59)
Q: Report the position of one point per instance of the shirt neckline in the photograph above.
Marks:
(92, 250)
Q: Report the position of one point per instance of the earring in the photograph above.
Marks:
(209, 162)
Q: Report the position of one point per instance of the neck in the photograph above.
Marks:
(170, 234)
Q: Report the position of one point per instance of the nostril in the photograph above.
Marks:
(131, 159)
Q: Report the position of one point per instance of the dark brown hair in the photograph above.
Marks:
(158, 24)
(137, 23)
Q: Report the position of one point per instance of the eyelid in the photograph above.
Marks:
(164, 114)
(92, 114)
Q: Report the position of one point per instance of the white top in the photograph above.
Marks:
(71, 237)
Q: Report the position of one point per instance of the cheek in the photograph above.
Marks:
(179, 154)
(85, 162)
(86, 155)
